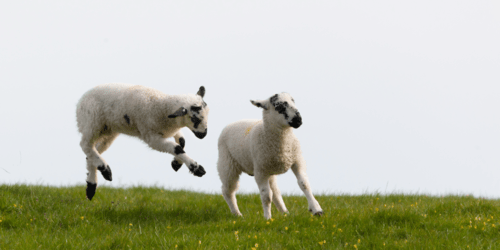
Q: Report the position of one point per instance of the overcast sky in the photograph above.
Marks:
(395, 96)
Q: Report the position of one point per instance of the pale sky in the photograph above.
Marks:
(395, 96)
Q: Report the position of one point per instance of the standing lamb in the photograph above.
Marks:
(264, 148)
(110, 109)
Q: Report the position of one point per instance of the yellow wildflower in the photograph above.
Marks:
(355, 246)
(359, 241)
(130, 224)
(256, 245)
(267, 222)
(286, 228)
(235, 232)
(15, 205)
(82, 217)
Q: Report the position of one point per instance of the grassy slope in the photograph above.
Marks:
(153, 218)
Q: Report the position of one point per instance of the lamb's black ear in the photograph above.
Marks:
(260, 104)
(180, 112)
(201, 92)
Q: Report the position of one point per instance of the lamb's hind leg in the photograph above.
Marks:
(102, 145)
(177, 162)
(277, 199)
(94, 159)
(229, 176)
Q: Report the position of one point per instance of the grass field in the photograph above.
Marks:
(40, 217)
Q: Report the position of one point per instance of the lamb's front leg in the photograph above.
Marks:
(266, 194)
(299, 169)
(177, 162)
(161, 144)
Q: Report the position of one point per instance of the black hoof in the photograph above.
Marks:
(106, 172)
(176, 165)
(90, 190)
(200, 171)
(319, 213)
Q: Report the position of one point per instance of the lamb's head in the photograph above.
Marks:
(195, 114)
(281, 109)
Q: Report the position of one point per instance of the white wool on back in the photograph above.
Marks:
(147, 109)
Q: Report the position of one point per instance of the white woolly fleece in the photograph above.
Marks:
(263, 148)
(107, 110)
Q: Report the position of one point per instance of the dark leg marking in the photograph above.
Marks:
(106, 172)
(105, 129)
(176, 165)
(179, 150)
(90, 190)
(182, 142)
(127, 119)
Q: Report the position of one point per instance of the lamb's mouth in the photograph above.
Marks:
(200, 135)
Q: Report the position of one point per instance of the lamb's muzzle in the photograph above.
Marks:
(296, 121)
(201, 135)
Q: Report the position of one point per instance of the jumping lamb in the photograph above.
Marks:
(264, 149)
(107, 110)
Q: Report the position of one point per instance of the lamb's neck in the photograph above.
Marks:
(278, 135)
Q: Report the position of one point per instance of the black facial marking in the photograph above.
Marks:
(182, 142)
(281, 108)
(179, 150)
(90, 190)
(273, 99)
(176, 165)
(196, 121)
(127, 119)
(106, 172)
(196, 109)
(204, 104)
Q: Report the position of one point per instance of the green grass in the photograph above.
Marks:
(153, 218)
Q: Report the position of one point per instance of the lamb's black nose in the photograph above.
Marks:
(201, 135)
(296, 121)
